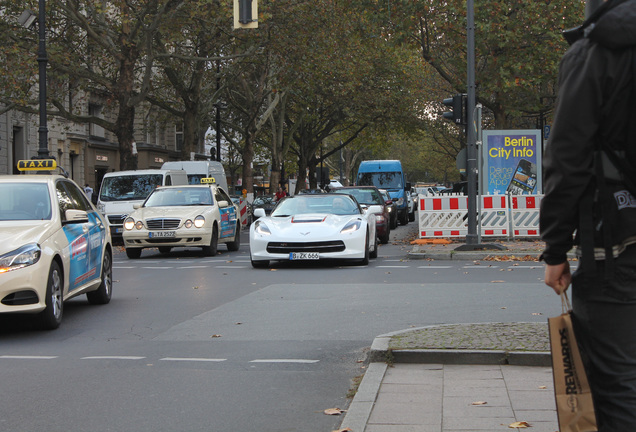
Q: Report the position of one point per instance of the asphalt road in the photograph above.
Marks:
(210, 344)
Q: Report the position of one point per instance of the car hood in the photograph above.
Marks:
(180, 212)
(301, 225)
(14, 234)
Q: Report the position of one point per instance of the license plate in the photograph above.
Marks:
(304, 256)
(119, 230)
(157, 234)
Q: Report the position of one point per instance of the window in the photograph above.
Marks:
(94, 129)
(178, 136)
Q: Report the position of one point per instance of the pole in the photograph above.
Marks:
(43, 131)
(471, 161)
(218, 113)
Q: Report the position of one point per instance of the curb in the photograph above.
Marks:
(381, 355)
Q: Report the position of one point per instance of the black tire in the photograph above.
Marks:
(103, 294)
(234, 245)
(260, 264)
(404, 217)
(365, 260)
(385, 238)
(214, 243)
(394, 222)
(133, 253)
(412, 216)
(165, 249)
(51, 316)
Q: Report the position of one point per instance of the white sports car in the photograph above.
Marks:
(313, 227)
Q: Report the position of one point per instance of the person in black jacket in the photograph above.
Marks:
(594, 107)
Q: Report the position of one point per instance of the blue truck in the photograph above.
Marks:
(387, 174)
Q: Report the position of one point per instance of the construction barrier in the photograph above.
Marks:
(243, 212)
(498, 216)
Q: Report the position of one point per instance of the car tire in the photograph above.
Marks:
(51, 316)
(384, 239)
(404, 217)
(133, 253)
(234, 245)
(214, 243)
(412, 216)
(260, 264)
(103, 294)
(365, 260)
(165, 249)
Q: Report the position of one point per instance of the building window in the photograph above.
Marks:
(178, 136)
(96, 130)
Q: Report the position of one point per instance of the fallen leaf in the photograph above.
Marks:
(497, 281)
(543, 387)
(272, 269)
(537, 313)
(215, 336)
(333, 411)
(239, 323)
(520, 424)
(343, 430)
(479, 403)
(196, 287)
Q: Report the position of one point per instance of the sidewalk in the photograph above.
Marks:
(459, 377)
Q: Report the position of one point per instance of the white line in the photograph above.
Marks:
(392, 266)
(526, 267)
(124, 267)
(28, 357)
(112, 358)
(435, 267)
(480, 267)
(230, 267)
(283, 361)
(192, 267)
(192, 359)
(394, 260)
(159, 268)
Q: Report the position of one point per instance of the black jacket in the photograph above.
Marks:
(594, 103)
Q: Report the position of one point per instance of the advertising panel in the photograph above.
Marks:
(511, 162)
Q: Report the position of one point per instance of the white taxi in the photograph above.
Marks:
(200, 215)
(54, 245)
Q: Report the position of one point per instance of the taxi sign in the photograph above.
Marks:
(208, 180)
(37, 165)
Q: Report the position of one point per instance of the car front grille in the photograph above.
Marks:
(162, 223)
(116, 219)
(321, 247)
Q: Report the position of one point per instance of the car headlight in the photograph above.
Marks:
(188, 224)
(351, 227)
(261, 228)
(379, 217)
(129, 223)
(22, 257)
(400, 201)
(199, 221)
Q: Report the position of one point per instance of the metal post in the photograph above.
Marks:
(43, 131)
(218, 113)
(471, 162)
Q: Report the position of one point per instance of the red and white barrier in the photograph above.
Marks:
(243, 212)
(524, 210)
(443, 216)
(494, 219)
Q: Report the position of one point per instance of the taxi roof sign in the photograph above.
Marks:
(37, 165)
(208, 180)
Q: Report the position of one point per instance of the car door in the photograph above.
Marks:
(228, 214)
(85, 236)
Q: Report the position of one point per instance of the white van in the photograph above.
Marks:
(121, 190)
(197, 170)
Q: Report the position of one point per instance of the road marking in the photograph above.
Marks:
(526, 267)
(124, 267)
(192, 359)
(230, 267)
(480, 267)
(283, 361)
(392, 266)
(112, 358)
(435, 267)
(26, 357)
(159, 268)
(192, 267)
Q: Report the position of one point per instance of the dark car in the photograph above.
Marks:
(371, 196)
(391, 207)
(265, 202)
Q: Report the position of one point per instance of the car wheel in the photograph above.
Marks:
(260, 264)
(51, 316)
(412, 216)
(374, 253)
(236, 243)
(404, 217)
(214, 243)
(102, 294)
(165, 249)
(133, 253)
(365, 260)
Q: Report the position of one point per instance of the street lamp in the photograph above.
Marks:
(27, 19)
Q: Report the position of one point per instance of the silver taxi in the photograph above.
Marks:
(54, 245)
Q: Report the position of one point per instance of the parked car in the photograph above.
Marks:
(183, 216)
(313, 227)
(54, 245)
(266, 202)
(371, 197)
(391, 207)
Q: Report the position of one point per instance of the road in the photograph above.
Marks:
(210, 344)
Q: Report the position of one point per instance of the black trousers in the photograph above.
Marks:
(605, 325)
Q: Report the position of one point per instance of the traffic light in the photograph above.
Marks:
(457, 105)
(245, 13)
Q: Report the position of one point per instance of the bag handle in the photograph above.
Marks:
(565, 303)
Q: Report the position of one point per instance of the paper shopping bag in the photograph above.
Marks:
(572, 391)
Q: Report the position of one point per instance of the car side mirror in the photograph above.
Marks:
(259, 212)
(223, 204)
(76, 216)
(137, 206)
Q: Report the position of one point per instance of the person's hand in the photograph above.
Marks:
(558, 277)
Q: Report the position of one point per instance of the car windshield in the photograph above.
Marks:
(25, 201)
(383, 180)
(363, 195)
(306, 204)
(171, 197)
(263, 200)
(129, 187)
